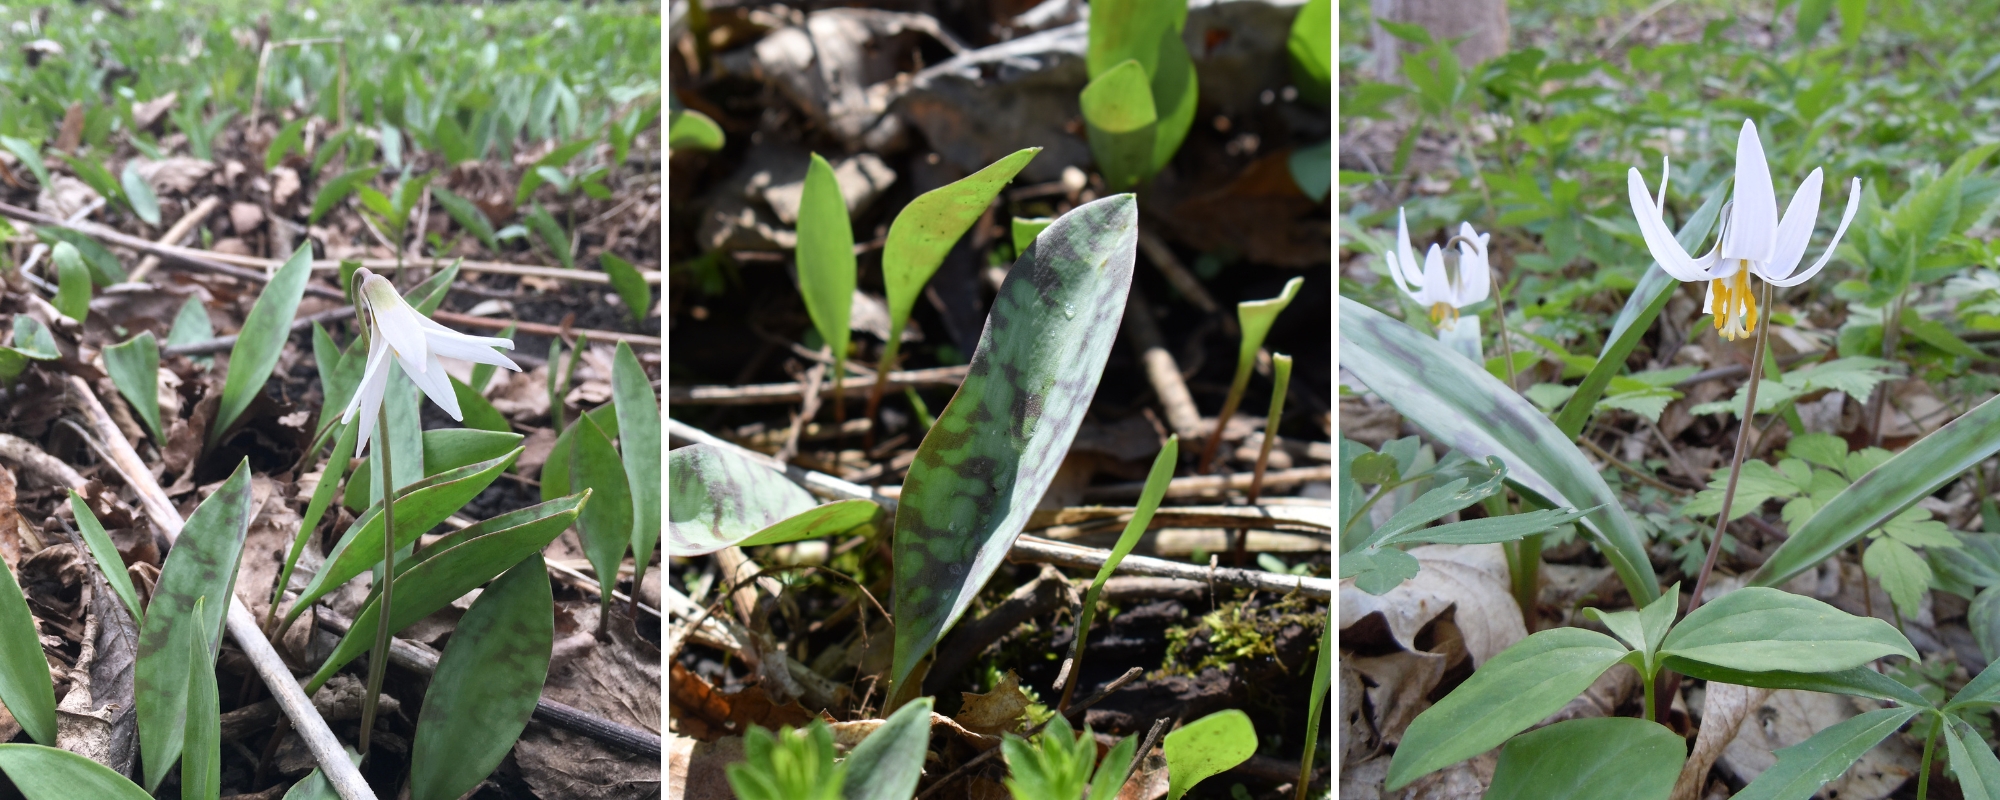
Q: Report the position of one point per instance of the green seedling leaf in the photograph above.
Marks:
(887, 764)
(925, 231)
(1312, 169)
(202, 564)
(46, 773)
(1056, 764)
(1885, 491)
(1855, 682)
(826, 259)
(688, 129)
(201, 759)
(336, 190)
(486, 684)
(630, 285)
(1642, 630)
(427, 296)
(32, 342)
(135, 369)
(1206, 747)
(104, 267)
(448, 569)
(551, 233)
(1757, 629)
(290, 138)
(25, 687)
(72, 283)
(1026, 229)
(445, 449)
(555, 472)
(30, 155)
(605, 526)
(106, 553)
(315, 786)
(1157, 479)
(1311, 48)
(339, 373)
(1255, 317)
(1804, 767)
(1116, 765)
(467, 215)
(1316, 707)
(1581, 758)
(990, 456)
(94, 174)
(262, 340)
(419, 507)
(1983, 689)
(533, 178)
(139, 195)
(1521, 686)
(1474, 413)
(191, 325)
(638, 411)
(788, 765)
(1121, 121)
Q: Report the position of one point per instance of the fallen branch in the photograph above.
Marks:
(1048, 592)
(1161, 370)
(33, 461)
(172, 255)
(1033, 549)
(181, 229)
(221, 343)
(386, 265)
(788, 393)
(311, 727)
(1214, 485)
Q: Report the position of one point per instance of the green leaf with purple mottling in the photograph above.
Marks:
(990, 456)
(486, 685)
(719, 499)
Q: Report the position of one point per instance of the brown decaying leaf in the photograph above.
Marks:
(700, 710)
(1472, 579)
(1003, 710)
(618, 681)
(95, 718)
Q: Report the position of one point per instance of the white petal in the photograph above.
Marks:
(480, 353)
(1666, 173)
(1404, 252)
(1708, 302)
(1659, 241)
(367, 401)
(1754, 217)
(1437, 288)
(1853, 204)
(434, 327)
(1475, 277)
(398, 324)
(1398, 272)
(1795, 230)
(434, 382)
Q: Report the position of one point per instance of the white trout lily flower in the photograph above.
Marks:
(396, 329)
(1431, 284)
(1753, 241)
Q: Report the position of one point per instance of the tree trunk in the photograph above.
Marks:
(1481, 25)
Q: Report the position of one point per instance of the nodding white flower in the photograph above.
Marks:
(396, 329)
(1753, 241)
(1432, 284)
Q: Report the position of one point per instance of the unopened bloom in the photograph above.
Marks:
(1444, 291)
(416, 342)
(1753, 241)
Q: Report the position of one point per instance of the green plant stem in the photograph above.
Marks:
(1651, 715)
(1281, 379)
(378, 659)
(1930, 749)
(1527, 577)
(1229, 404)
(1742, 448)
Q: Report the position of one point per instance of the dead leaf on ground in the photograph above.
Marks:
(95, 718)
(618, 682)
(697, 770)
(703, 712)
(1724, 708)
(1471, 579)
(1789, 717)
(1002, 710)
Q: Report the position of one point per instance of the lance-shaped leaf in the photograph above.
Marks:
(104, 267)
(1025, 229)
(479, 412)
(1311, 48)
(72, 282)
(339, 373)
(1758, 628)
(202, 564)
(419, 508)
(1808, 765)
(1632, 322)
(555, 472)
(638, 411)
(1120, 119)
(261, 341)
(1521, 686)
(139, 195)
(135, 369)
(1581, 758)
(1855, 682)
(32, 342)
(427, 296)
(30, 155)
(991, 454)
(25, 687)
(630, 285)
(1148, 31)
(1917, 472)
(925, 231)
(1207, 746)
(468, 216)
(106, 553)
(201, 759)
(718, 498)
(336, 190)
(1972, 761)
(887, 764)
(826, 258)
(1315, 708)
(46, 773)
(448, 569)
(606, 525)
(191, 324)
(486, 684)
(445, 449)
(688, 129)
(1474, 413)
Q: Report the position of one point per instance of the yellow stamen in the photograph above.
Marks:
(1735, 306)
(1444, 315)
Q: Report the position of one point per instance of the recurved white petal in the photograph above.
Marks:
(1754, 215)
(471, 348)
(430, 376)
(1659, 241)
(1853, 204)
(1795, 230)
(1437, 285)
(1474, 273)
(368, 397)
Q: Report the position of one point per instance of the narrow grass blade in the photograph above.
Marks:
(261, 341)
(1316, 707)
(106, 553)
(1157, 479)
(30, 155)
(25, 687)
(486, 684)
(135, 369)
(638, 411)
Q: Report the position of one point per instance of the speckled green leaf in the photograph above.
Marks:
(106, 553)
(926, 229)
(445, 449)
(555, 472)
(1206, 747)
(420, 507)
(262, 340)
(606, 525)
(826, 256)
(1587, 759)
(1474, 413)
(990, 456)
(72, 283)
(719, 498)
(201, 758)
(638, 411)
(135, 369)
(1758, 628)
(1804, 767)
(24, 674)
(32, 342)
(1917, 472)
(486, 684)
(449, 568)
(202, 564)
(45, 773)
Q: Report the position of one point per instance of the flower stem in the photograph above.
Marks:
(1742, 447)
(378, 657)
(1651, 715)
(1930, 748)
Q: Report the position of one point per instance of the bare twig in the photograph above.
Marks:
(172, 255)
(1030, 549)
(788, 393)
(808, 408)
(34, 461)
(1213, 485)
(221, 343)
(1048, 592)
(1161, 370)
(1185, 282)
(182, 228)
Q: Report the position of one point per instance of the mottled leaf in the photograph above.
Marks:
(826, 258)
(1804, 767)
(638, 411)
(1206, 747)
(486, 684)
(105, 552)
(45, 773)
(261, 340)
(135, 369)
(25, 687)
(201, 758)
(926, 229)
(1583, 758)
(202, 564)
(719, 499)
(606, 525)
(991, 455)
